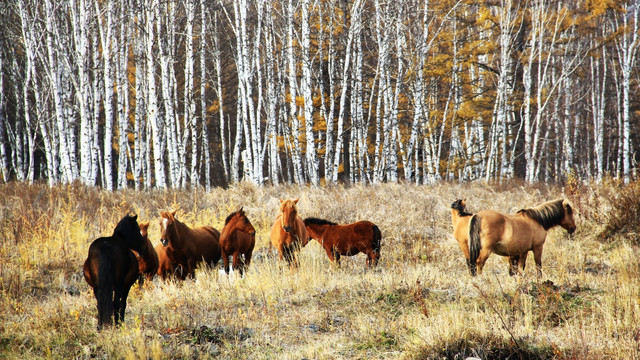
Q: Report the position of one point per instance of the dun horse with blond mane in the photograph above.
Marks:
(516, 235)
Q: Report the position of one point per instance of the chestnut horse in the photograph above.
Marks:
(288, 233)
(111, 269)
(346, 240)
(460, 219)
(186, 247)
(516, 235)
(238, 237)
(165, 266)
(147, 265)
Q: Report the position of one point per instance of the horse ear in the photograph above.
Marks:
(135, 217)
(296, 200)
(281, 201)
(241, 209)
(173, 213)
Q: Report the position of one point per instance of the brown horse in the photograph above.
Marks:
(238, 237)
(165, 266)
(347, 240)
(147, 265)
(460, 219)
(111, 269)
(186, 247)
(516, 235)
(288, 233)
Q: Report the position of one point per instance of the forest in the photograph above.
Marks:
(179, 94)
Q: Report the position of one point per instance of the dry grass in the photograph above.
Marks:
(419, 303)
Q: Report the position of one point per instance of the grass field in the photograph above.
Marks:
(419, 303)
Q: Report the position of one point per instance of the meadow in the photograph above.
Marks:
(419, 303)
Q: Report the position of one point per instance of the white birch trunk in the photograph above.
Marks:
(153, 117)
(105, 21)
(293, 92)
(305, 88)
(354, 27)
(203, 97)
(190, 119)
(123, 104)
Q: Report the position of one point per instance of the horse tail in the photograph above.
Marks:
(377, 237)
(104, 289)
(474, 242)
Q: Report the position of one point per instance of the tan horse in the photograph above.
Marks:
(516, 235)
(147, 265)
(460, 219)
(288, 233)
(238, 237)
(186, 247)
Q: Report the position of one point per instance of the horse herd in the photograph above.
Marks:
(116, 262)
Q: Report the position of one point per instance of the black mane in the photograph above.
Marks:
(548, 214)
(462, 210)
(316, 221)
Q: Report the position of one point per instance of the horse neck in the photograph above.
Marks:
(177, 235)
(228, 231)
(455, 215)
(319, 230)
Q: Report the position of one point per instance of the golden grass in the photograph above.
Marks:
(419, 303)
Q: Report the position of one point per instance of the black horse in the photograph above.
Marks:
(111, 269)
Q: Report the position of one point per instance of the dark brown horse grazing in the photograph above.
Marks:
(460, 219)
(516, 235)
(186, 247)
(288, 233)
(165, 266)
(147, 265)
(238, 237)
(346, 240)
(111, 269)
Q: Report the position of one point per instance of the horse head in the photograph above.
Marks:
(289, 212)
(144, 230)
(167, 224)
(460, 205)
(239, 221)
(567, 222)
(129, 230)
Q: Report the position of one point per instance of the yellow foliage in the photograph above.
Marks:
(215, 106)
(300, 100)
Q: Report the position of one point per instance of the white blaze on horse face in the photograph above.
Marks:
(164, 223)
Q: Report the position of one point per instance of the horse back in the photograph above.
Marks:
(111, 253)
(207, 243)
(353, 238)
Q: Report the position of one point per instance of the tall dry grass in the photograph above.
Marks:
(419, 303)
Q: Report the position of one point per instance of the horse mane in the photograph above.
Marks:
(316, 221)
(126, 226)
(230, 217)
(548, 214)
(462, 210)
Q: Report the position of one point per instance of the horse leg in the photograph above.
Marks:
(237, 266)
(513, 265)
(372, 258)
(247, 259)
(537, 256)
(123, 303)
(225, 260)
(523, 261)
(482, 258)
(116, 305)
